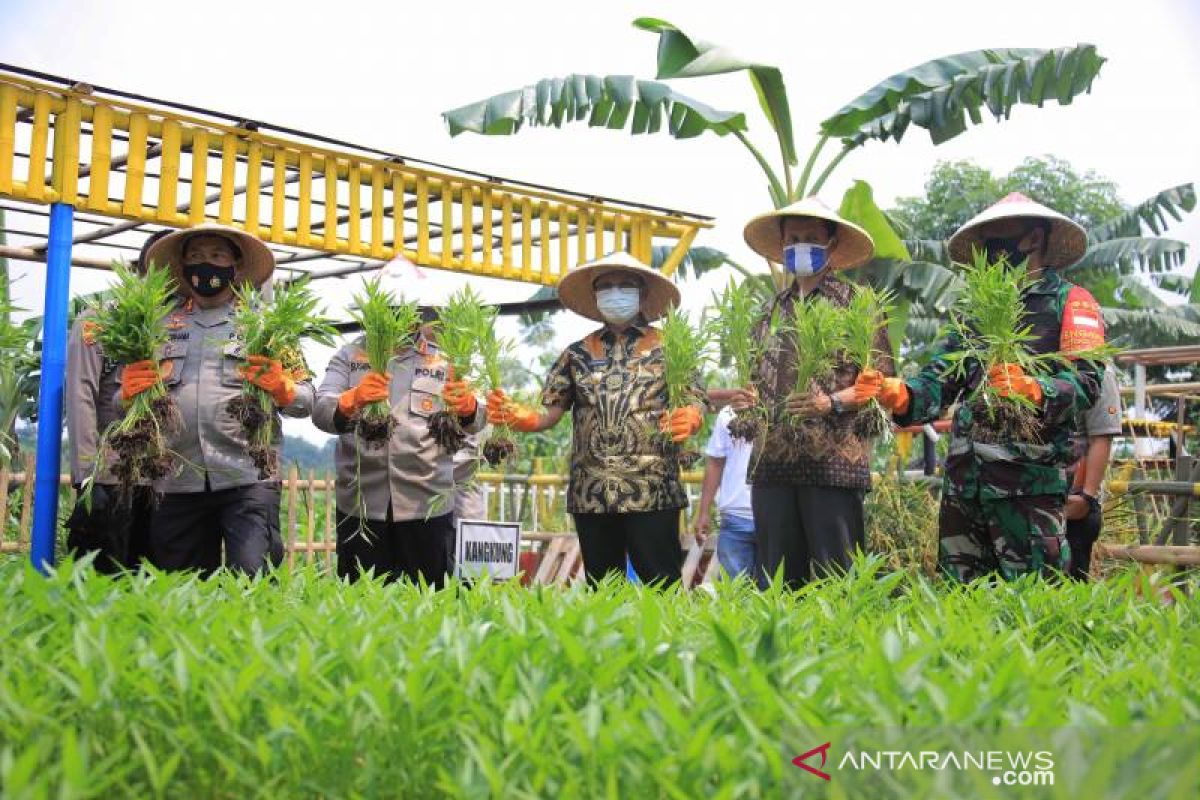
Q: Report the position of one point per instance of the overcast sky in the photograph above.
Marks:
(379, 73)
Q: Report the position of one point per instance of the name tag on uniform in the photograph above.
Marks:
(597, 363)
(435, 373)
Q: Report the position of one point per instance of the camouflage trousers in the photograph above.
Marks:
(1011, 537)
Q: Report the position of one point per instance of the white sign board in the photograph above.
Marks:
(482, 547)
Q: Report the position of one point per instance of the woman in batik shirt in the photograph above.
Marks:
(624, 492)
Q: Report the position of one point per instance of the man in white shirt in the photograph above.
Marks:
(725, 479)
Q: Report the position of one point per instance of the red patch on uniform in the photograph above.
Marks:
(1082, 324)
(1112, 410)
(426, 404)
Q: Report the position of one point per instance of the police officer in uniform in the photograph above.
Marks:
(395, 499)
(1002, 503)
(214, 499)
(117, 529)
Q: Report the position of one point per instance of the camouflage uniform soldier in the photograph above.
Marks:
(1002, 504)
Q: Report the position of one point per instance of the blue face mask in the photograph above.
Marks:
(805, 259)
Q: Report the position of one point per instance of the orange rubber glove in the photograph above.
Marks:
(894, 395)
(867, 385)
(501, 410)
(374, 386)
(267, 374)
(460, 398)
(1010, 379)
(141, 375)
(497, 401)
(681, 423)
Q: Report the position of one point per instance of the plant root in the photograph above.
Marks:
(447, 431)
(498, 449)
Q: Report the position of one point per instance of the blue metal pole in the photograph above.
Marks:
(50, 390)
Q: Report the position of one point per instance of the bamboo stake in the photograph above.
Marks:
(26, 503)
(312, 521)
(293, 478)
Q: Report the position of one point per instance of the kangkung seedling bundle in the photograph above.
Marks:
(131, 326)
(817, 331)
(684, 353)
(389, 327)
(273, 329)
(499, 446)
(991, 323)
(735, 327)
(459, 322)
(862, 321)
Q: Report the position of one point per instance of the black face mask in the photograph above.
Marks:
(208, 280)
(997, 248)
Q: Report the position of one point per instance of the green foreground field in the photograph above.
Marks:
(299, 686)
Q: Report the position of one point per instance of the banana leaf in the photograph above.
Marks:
(942, 94)
(613, 101)
(680, 56)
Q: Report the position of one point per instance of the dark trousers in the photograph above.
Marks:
(276, 546)
(1081, 536)
(651, 539)
(119, 533)
(187, 531)
(810, 530)
(414, 549)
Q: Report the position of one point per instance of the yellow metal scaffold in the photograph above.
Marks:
(123, 163)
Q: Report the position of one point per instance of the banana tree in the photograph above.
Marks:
(944, 96)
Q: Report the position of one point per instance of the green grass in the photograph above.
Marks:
(303, 687)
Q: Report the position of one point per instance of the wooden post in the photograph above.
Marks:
(1139, 510)
(330, 538)
(312, 518)
(293, 478)
(26, 503)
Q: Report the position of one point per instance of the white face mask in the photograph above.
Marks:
(618, 305)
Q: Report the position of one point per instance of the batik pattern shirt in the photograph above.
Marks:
(843, 459)
(614, 385)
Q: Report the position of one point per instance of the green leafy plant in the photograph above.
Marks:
(992, 327)
(131, 326)
(493, 349)
(816, 331)
(389, 326)
(862, 322)
(685, 350)
(568, 692)
(274, 328)
(459, 323)
(735, 327)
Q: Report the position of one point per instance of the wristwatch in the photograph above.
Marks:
(836, 405)
(1093, 502)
